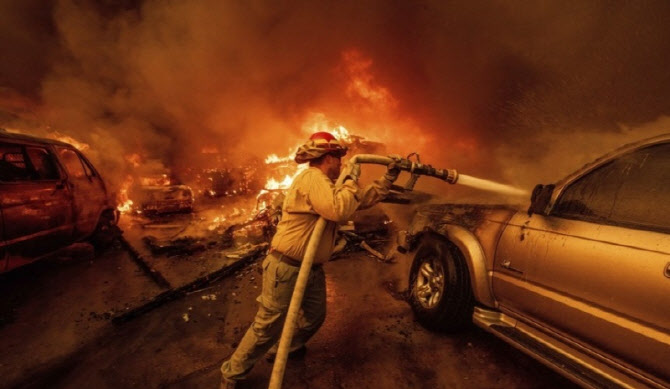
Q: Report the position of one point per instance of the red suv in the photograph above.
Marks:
(50, 196)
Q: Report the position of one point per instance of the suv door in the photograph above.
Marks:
(595, 269)
(36, 206)
(88, 190)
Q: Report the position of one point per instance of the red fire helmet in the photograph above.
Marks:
(327, 136)
(320, 143)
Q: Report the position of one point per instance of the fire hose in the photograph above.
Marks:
(416, 169)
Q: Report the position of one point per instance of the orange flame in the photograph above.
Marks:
(274, 158)
(317, 122)
(125, 203)
(68, 139)
(134, 159)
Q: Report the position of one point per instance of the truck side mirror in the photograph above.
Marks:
(540, 199)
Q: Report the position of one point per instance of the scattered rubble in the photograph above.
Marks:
(384, 258)
(368, 231)
(253, 252)
(186, 245)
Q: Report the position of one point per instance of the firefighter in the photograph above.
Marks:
(312, 195)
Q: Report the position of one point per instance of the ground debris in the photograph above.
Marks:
(169, 295)
(186, 245)
(155, 275)
(384, 258)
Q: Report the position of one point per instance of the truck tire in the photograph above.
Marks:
(440, 291)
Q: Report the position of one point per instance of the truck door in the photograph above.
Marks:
(87, 189)
(36, 206)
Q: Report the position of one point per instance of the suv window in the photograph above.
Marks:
(13, 163)
(72, 163)
(87, 166)
(43, 163)
(630, 190)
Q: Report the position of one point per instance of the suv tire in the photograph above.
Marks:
(440, 292)
(106, 231)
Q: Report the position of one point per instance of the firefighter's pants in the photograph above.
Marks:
(278, 282)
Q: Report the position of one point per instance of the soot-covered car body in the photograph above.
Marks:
(50, 197)
(155, 200)
(580, 281)
(157, 194)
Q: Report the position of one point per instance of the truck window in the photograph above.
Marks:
(630, 190)
(13, 165)
(43, 163)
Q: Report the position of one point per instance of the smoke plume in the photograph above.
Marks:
(513, 91)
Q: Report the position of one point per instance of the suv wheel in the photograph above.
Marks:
(106, 231)
(440, 291)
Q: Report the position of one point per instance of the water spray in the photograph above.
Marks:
(416, 169)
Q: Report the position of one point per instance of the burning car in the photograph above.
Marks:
(157, 195)
(580, 281)
(51, 196)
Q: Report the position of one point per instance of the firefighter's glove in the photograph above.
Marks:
(392, 169)
(352, 171)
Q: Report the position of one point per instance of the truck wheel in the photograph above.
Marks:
(106, 231)
(440, 292)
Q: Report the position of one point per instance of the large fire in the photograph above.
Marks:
(316, 123)
(279, 169)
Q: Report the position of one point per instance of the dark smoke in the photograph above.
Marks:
(514, 91)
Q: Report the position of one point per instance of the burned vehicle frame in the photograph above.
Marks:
(158, 200)
(580, 281)
(50, 196)
(159, 193)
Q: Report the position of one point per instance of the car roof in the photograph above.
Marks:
(4, 134)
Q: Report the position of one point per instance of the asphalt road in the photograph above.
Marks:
(55, 332)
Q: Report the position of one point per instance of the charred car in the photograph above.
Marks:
(157, 195)
(580, 281)
(50, 197)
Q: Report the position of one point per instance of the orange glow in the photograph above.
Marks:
(274, 158)
(285, 163)
(317, 122)
(159, 180)
(134, 159)
(362, 83)
(125, 203)
(68, 139)
(126, 207)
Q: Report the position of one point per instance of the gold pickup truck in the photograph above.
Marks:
(50, 197)
(580, 281)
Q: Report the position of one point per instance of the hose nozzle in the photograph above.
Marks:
(418, 168)
(415, 168)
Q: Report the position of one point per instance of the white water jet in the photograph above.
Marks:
(492, 186)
